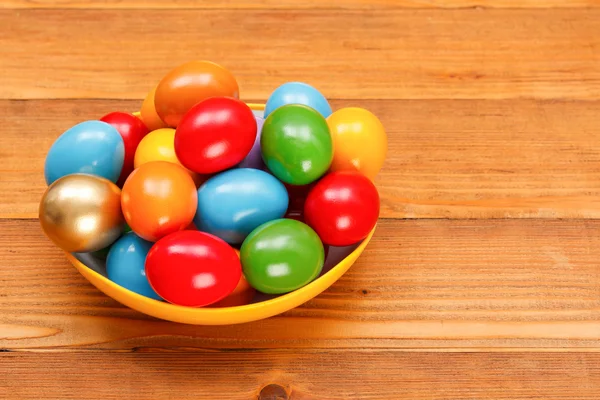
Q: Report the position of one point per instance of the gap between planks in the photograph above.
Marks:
(492, 53)
(303, 374)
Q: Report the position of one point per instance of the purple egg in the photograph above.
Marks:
(254, 158)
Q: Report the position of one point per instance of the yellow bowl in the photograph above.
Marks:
(224, 315)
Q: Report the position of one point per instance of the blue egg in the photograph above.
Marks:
(298, 93)
(235, 202)
(91, 147)
(125, 265)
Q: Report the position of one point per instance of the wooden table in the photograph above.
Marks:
(483, 278)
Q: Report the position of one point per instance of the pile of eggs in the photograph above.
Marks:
(198, 201)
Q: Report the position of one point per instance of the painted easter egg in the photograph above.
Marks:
(216, 134)
(281, 256)
(188, 84)
(125, 264)
(359, 141)
(158, 198)
(342, 208)
(235, 202)
(192, 268)
(296, 144)
(297, 93)
(241, 295)
(81, 213)
(90, 147)
(148, 113)
(159, 145)
(132, 130)
(254, 157)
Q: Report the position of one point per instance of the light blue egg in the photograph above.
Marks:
(298, 93)
(125, 265)
(91, 147)
(233, 203)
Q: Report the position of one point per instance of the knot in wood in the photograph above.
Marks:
(273, 392)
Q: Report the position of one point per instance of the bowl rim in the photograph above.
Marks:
(337, 270)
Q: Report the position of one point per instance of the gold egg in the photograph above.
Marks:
(81, 213)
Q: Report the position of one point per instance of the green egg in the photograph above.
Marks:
(281, 256)
(296, 144)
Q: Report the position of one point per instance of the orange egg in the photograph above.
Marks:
(188, 84)
(359, 141)
(157, 199)
(148, 113)
(242, 294)
(159, 145)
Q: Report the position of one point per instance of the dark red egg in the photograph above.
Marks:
(297, 195)
(215, 134)
(193, 268)
(132, 130)
(343, 207)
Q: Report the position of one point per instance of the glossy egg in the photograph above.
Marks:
(158, 198)
(298, 93)
(359, 141)
(235, 202)
(132, 130)
(281, 256)
(342, 208)
(297, 196)
(296, 144)
(192, 268)
(215, 134)
(90, 147)
(125, 265)
(159, 145)
(241, 295)
(81, 213)
(187, 85)
(254, 157)
(148, 113)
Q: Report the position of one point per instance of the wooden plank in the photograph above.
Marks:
(408, 54)
(447, 158)
(299, 375)
(293, 4)
(474, 285)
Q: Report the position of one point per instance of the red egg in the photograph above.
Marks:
(215, 134)
(342, 208)
(193, 268)
(297, 195)
(132, 130)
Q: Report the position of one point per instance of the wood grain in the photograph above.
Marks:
(294, 4)
(304, 375)
(438, 284)
(447, 158)
(388, 54)
(482, 280)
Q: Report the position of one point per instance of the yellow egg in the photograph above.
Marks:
(159, 145)
(359, 141)
(81, 213)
